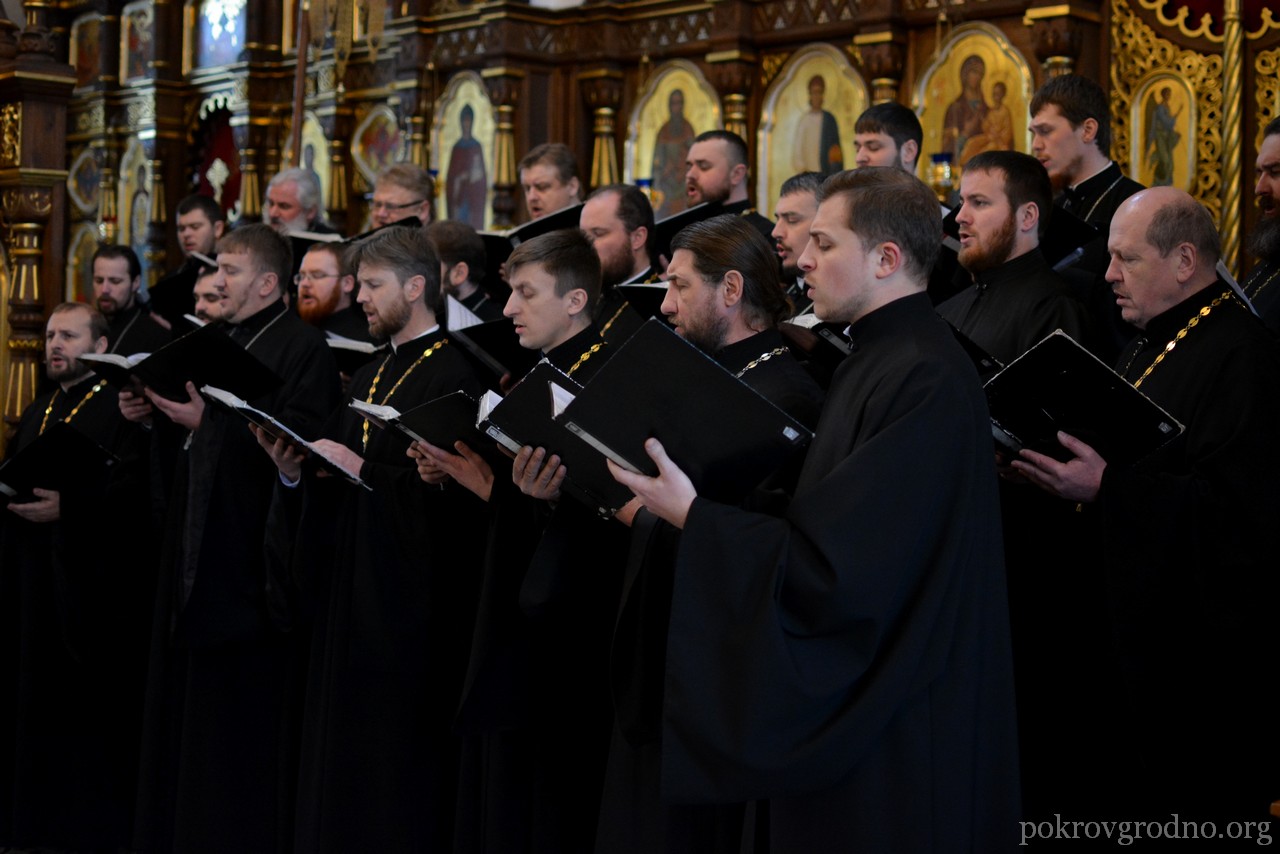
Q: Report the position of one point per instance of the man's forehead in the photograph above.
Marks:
(111, 267)
(1269, 151)
(320, 258)
(69, 320)
(600, 211)
(865, 137)
(286, 190)
(801, 202)
(386, 188)
(196, 216)
(1048, 114)
(540, 172)
(709, 149)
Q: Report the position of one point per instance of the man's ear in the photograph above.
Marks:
(413, 288)
(136, 287)
(888, 259)
(639, 238)
(347, 284)
(733, 287)
(1090, 130)
(219, 228)
(458, 273)
(1027, 217)
(270, 281)
(909, 152)
(101, 345)
(575, 187)
(577, 301)
(738, 174)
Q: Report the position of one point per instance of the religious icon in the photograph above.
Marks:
(137, 49)
(462, 151)
(315, 153)
(973, 97)
(1163, 125)
(83, 242)
(378, 142)
(83, 180)
(466, 183)
(86, 48)
(219, 35)
(677, 104)
(807, 120)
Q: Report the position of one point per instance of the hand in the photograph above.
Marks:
(627, 512)
(669, 495)
(466, 467)
(134, 406)
(1078, 479)
(345, 458)
(287, 456)
(428, 469)
(538, 475)
(46, 508)
(188, 414)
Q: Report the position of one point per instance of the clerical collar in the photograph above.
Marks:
(1080, 186)
(639, 278)
(252, 327)
(886, 321)
(1166, 324)
(567, 354)
(1017, 269)
(736, 356)
(395, 348)
(1092, 191)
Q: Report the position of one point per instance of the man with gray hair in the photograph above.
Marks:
(400, 191)
(294, 203)
(1187, 535)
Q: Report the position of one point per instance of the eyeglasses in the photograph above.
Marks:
(303, 277)
(387, 206)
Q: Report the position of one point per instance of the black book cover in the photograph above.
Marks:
(645, 299)
(716, 428)
(1059, 385)
(494, 349)
(498, 245)
(58, 457)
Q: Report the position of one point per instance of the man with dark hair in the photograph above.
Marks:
(217, 705)
(1015, 299)
(400, 191)
(1187, 535)
(618, 221)
(208, 298)
(849, 658)
(462, 263)
(796, 207)
(888, 134)
(717, 174)
(549, 178)
(200, 223)
(391, 571)
(1261, 286)
(77, 581)
(326, 286)
(1071, 136)
(117, 280)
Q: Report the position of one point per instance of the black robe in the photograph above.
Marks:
(173, 296)
(218, 721)
(850, 659)
(395, 574)
(1262, 287)
(535, 704)
(1010, 308)
(1190, 543)
(482, 305)
(632, 817)
(134, 331)
(75, 595)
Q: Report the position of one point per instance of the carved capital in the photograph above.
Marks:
(882, 59)
(37, 43)
(733, 77)
(1056, 42)
(601, 88)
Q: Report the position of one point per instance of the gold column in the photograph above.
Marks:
(881, 56)
(733, 72)
(504, 91)
(250, 190)
(602, 89)
(1232, 141)
(156, 217)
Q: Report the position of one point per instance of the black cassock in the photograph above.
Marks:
(393, 574)
(134, 331)
(850, 660)
(216, 765)
(75, 600)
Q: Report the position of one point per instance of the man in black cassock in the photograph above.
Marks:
(1262, 287)
(216, 772)
(618, 220)
(462, 267)
(725, 297)
(1187, 535)
(535, 703)
(200, 222)
(76, 585)
(849, 658)
(117, 281)
(1016, 299)
(391, 575)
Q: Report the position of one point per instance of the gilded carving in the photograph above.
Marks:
(142, 112)
(1137, 53)
(1266, 83)
(93, 119)
(770, 65)
(11, 134)
(785, 14)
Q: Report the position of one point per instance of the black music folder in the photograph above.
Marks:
(498, 245)
(526, 416)
(716, 428)
(645, 298)
(57, 458)
(205, 356)
(1059, 385)
(493, 348)
(440, 422)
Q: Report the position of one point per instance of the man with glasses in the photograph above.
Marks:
(401, 190)
(326, 292)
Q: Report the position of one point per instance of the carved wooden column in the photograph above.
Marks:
(1232, 136)
(339, 131)
(1056, 38)
(732, 73)
(602, 90)
(34, 90)
(504, 92)
(882, 56)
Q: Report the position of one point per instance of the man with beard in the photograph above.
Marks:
(392, 573)
(200, 223)
(325, 285)
(117, 278)
(400, 191)
(208, 298)
(1261, 287)
(887, 134)
(1184, 540)
(1015, 299)
(217, 720)
(77, 574)
(797, 203)
(549, 178)
(723, 296)
(1071, 136)
(618, 220)
(294, 203)
(462, 263)
(716, 173)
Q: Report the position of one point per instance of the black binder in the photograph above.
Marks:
(57, 458)
(493, 348)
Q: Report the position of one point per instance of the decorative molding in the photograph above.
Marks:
(1266, 89)
(774, 15)
(11, 134)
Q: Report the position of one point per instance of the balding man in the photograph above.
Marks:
(1188, 538)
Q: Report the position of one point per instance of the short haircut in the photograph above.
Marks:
(1272, 128)
(1077, 98)
(728, 242)
(196, 202)
(555, 154)
(899, 122)
(456, 242)
(98, 327)
(886, 205)
(805, 182)
(269, 249)
(738, 151)
(204, 271)
(1185, 221)
(1025, 180)
(568, 257)
(412, 177)
(113, 250)
(406, 252)
(634, 209)
(340, 253)
(308, 187)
